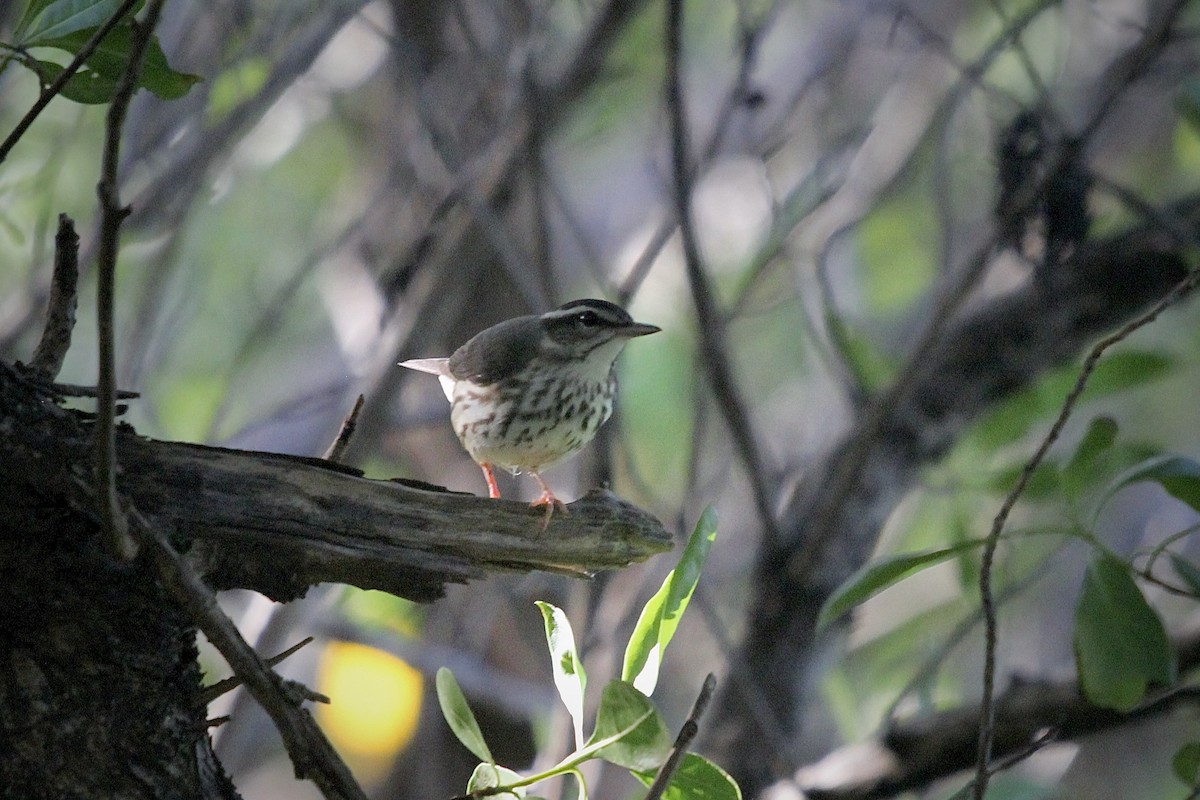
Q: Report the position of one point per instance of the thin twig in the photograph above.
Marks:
(687, 733)
(1048, 737)
(710, 325)
(213, 691)
(1122, 73)
(1127, 69)
(51, 91)
(311, 753)
(112, 214)
(60, 314)
(987, 711)
(337, 450)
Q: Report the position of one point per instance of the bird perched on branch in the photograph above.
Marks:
(533, 390)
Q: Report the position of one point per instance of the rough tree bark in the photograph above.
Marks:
(99, 686)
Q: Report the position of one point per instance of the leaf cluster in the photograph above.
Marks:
(628, 730)
(50, 27)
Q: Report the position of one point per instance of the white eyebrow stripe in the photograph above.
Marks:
(568, 313)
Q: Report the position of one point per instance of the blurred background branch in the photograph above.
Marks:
(905, 220)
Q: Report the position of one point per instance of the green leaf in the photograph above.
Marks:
(1188, 571)
(697, 779)
(660, 617)
(459, 715)
(640, 739)
(879, 575)
(1186, 764)
(112, 56)
(32, 9)
(569, 675)
(43, 21)
(235, 85)
(485, 776)
(1179, 476)
(1087, 465)
(893, 243)
(1121, 646)
(489, 776)
(85, 86)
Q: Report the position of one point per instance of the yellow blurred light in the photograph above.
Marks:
(376, 701)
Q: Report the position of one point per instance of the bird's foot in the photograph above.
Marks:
(547, 499)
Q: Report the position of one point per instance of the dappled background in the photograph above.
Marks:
(357, 183)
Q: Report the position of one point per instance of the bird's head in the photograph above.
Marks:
(588, 330)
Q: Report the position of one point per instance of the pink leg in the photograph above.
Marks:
(546, 499)
(489, 476)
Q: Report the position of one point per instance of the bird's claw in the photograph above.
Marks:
(552, 504)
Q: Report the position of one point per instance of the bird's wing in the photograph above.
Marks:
(497, 353)
(434, 366)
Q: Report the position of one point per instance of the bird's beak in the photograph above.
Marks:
(639, 329)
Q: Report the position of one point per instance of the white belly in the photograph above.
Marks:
(556, 419)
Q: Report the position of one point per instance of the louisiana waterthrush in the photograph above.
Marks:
(533, 390)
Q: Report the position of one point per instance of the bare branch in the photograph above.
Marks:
(116, 534)
(215, 690)
(687, 733)
(311, 753)
(60, 316)
(278, 524)
(337, 450)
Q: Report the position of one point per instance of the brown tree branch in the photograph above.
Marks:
(278, 524)
(215, 690)
(337, 449)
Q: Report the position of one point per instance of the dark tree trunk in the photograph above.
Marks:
(99, 685)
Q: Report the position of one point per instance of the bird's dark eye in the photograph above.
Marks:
(588, 319)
